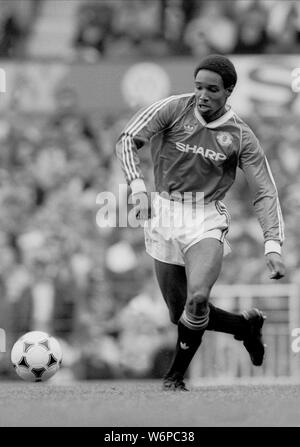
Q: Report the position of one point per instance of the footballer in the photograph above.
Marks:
(197, 142)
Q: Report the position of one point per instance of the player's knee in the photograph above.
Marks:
(198, 300)
(199, 294)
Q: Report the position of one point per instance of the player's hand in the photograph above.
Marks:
(142, 205)
(276, 265)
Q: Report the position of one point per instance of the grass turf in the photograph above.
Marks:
(144, 404)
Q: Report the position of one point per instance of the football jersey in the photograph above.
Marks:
(190, 155)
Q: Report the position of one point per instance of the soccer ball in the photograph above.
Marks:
(36, 356)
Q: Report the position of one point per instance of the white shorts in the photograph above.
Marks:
(175, 227)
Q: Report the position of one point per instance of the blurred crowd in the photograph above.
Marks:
(160, 28)
(59, 271)
(91, 286)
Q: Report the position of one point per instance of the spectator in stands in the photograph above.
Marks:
(284, 27)
(210, 32)
(16, 23)
(93, 30)
(11, 34)
(252, 34)
(67, 112)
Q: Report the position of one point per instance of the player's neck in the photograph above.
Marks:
(214, 116)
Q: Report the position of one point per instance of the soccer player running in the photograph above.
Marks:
(197, 142)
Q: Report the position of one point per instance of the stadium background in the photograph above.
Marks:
(75, 72)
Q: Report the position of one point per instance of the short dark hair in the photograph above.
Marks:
(221, 65)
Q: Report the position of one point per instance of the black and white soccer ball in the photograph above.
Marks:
(36, 356)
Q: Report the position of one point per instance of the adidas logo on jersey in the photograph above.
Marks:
(189, 128)
(207, 153)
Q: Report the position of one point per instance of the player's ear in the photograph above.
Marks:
(229, 90)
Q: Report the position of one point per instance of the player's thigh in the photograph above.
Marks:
(203, 262)
(173, 285)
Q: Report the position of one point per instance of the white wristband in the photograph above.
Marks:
(137, 186)
(272, 247)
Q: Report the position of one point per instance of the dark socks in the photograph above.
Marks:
(188, 342)
(223, 321)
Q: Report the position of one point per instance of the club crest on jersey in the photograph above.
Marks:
(189, 128)
(224, 139)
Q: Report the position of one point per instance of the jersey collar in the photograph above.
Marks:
(218, 122)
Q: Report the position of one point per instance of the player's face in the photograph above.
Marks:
(211, 96)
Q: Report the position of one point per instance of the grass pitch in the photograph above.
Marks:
(144, 404)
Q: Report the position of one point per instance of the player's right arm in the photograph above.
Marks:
(140, 129)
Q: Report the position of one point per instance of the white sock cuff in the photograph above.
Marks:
(194, 322)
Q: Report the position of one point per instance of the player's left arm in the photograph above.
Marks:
(253, 162)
